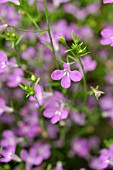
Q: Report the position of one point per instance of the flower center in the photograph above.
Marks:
(3, 64)
(66, 72)
(58, 112)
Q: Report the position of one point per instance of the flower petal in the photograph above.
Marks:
(55, 119)
(66, 82)
(105, 41)
(38, 160)
(49, 112)
(13, 1)
(2, 27)
(64, 114)
(57, 74)
(66, 66)
(24, 155)
(75, 76)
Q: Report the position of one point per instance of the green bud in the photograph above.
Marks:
(33, 78)
(13, 35)
(62, 40)
(96, 92)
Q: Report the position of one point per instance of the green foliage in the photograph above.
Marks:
(28, 89)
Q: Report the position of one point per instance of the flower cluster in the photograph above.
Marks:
(56, 85)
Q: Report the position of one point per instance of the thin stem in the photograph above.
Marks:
(84, 77)
(42, 123)
(84, 80)
(24, 30)
(49, 32)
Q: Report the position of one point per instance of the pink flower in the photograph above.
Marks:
(66, 76)
(57, 111)
(13, 1)
(3, 61)
(15, 77)
(107, 1)
(2, 27)
(107, 36)
(88, 63)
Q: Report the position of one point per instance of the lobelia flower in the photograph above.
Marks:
(80, 147)
(8, 154)
(3, 61)
(28, 130)
(107, 1)
(59, 166)
(88, 63)
(8, 143)
(2, 27)
(104, 160)
(57, 110)
(40, 95)
(106, 104)
(15, 78)
(78, 118)
(29, 53)
(107, 36)
(58, 2)
(13, 1)
(36, 155)
(9, 139)
(56, 113)
(4, 108)
(66, 76)
(10, 14)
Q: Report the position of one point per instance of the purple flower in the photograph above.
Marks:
(10, 14)
(58, 2)
(78, 118)
(9, 139)
(28, 130)
(3, 107)
(80, 146)
(107, 1)
(88, 63)
(29, 53)
(66, 76)
(106, 104)
(36, 155)
(3, 62)
(8, 154)
(59, 166)
(38, 95)
(104, 160)
(56, 111)
(15, 78)
(13, 1)
(8, 143)
(2, 27)
(107, 36)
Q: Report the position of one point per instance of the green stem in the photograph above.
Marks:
(84, 77)
(84, 80)
(42, 122)
(49, 32)
(24, 30)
